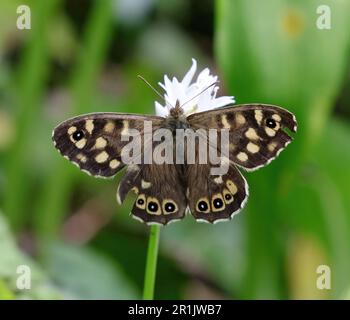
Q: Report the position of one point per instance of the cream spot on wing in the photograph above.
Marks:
(81, 143)
(251, 134)
(101, 157)
(218, 180)
(224, 121)
(242, 156)
(109, 127)
(276, 117)
(145, 184)
(231, 186)
(240, 119)
(114, 164)
(89, 125)
(135, 189)
(272, 146)
(100, 143)
(81, 157)
(258, 116)
(71, 130)
(125, 127)
(270, 132)
(252, 147)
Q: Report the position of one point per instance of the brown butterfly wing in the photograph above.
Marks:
(160, 192)
(215, 198)
(93, 141)
(256, 131)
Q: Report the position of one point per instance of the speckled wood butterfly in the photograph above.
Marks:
(165, 191)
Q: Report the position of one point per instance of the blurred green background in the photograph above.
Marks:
(83, 56)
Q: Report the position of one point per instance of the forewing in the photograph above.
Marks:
(256, 131)
(93, 141)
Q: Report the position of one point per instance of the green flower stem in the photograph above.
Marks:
(151, 263)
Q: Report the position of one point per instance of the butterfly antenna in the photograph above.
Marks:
(154, 89)
(198, 94)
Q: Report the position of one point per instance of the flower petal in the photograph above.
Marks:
(200, 95)
(189, 75)
(222, 102)
(160, 110)
(205, 101)
(179, 91)
(203, 76)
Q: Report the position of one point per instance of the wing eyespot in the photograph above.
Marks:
(141, 201)
(152, 206)
(203, 205)
(271, 123)
(218, 203)
(228, 197)
(77, 137)
(169, 206)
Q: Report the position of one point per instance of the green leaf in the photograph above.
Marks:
(28, 90)
(53, 200)
(10, 259)
(216, 250)
(85, 274)
(272, 52)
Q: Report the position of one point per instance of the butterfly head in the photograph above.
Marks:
(176, 112)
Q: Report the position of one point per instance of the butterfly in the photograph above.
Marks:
(165, 192)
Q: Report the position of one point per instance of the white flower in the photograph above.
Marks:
(184, 91)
